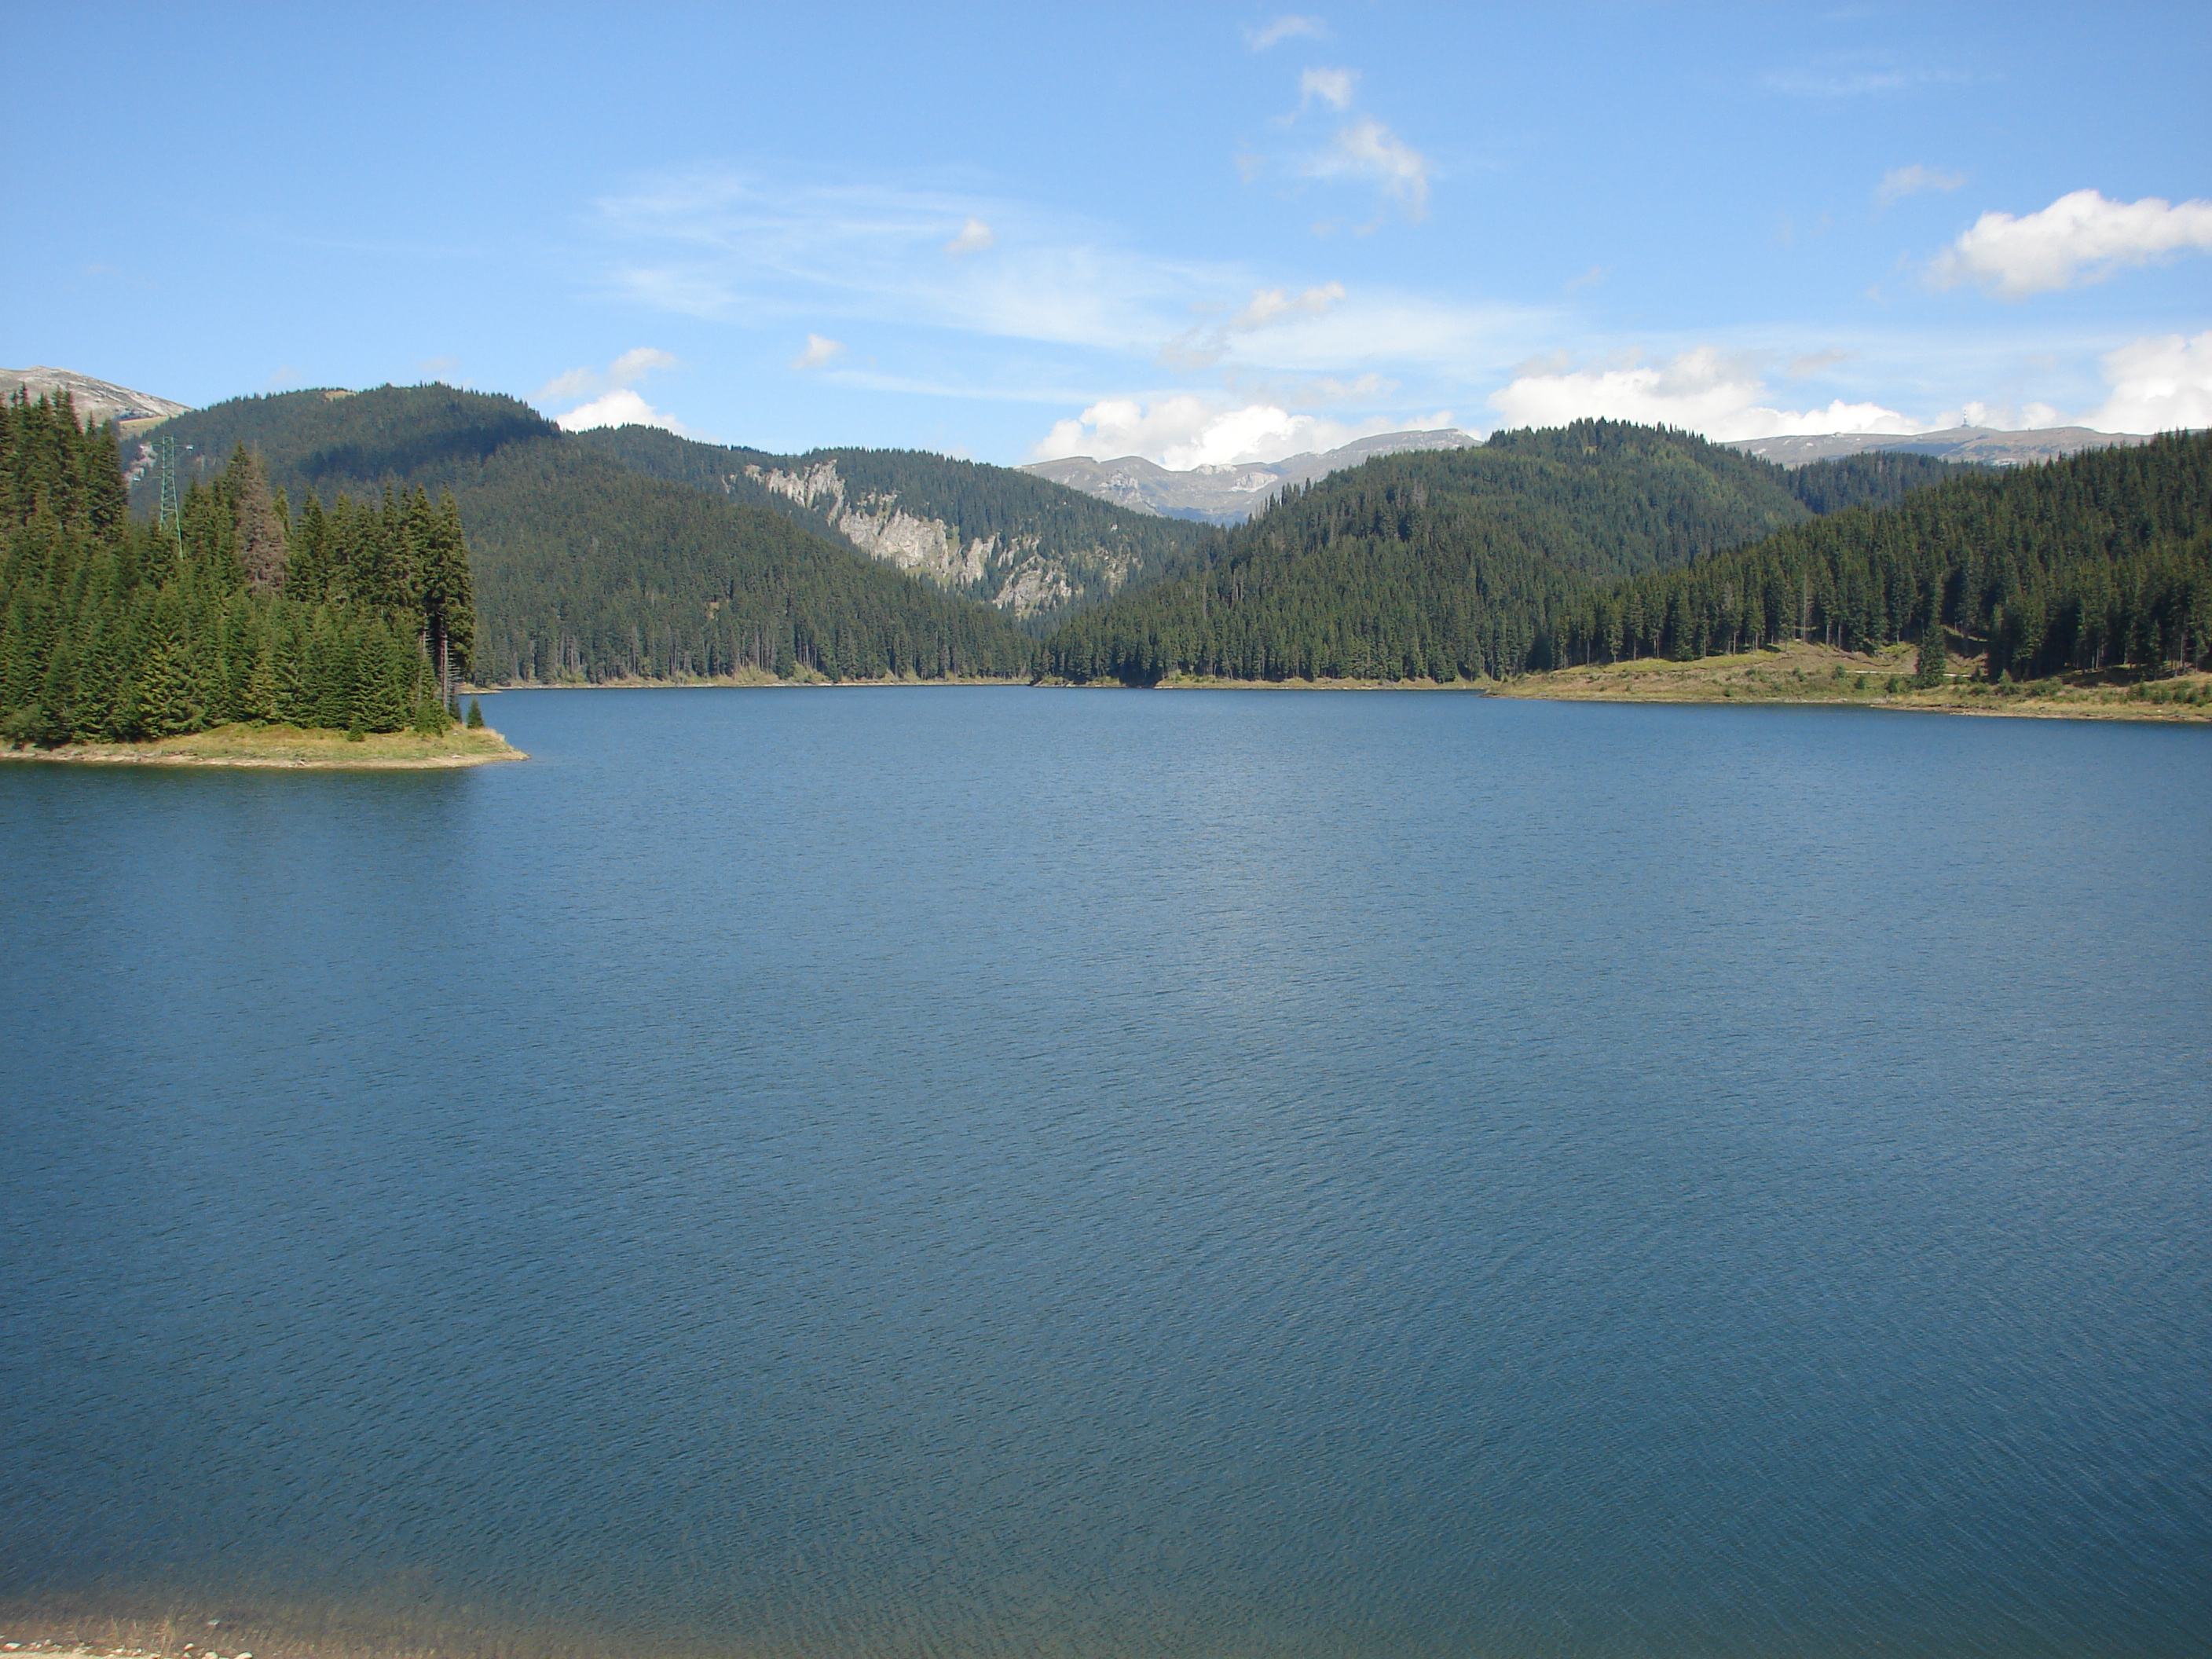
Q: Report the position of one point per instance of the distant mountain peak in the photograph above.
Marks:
(1987, 445)
(102, 400)
(1225, 492)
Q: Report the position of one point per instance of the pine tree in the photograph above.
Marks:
(1935, 661)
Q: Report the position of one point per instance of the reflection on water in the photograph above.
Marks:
(998, 1172)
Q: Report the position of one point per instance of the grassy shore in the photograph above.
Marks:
(1817, 673)
(291, 746)
(1800, 673)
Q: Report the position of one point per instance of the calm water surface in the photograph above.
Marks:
(978, 1172)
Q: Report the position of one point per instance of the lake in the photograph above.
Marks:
(966, 1171)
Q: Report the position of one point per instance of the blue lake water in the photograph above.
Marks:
(990, 1172)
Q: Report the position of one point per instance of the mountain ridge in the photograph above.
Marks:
(1984, 444)
(1227, 494)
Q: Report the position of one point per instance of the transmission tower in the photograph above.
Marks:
(170, 519)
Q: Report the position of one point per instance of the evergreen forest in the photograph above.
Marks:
(588, 570)
(1084, 550)
(2102, 561)
(1459, 563)
(352, 616)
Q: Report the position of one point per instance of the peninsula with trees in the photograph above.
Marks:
(228, 628)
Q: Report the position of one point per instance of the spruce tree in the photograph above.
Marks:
(1935, 661)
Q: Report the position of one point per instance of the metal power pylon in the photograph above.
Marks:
(171, 518)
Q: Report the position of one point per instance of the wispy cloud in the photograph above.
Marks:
(1269, 306)
(1808, 363)
(726, 244)
(1202, 347)
(1590, 278)
(1333, 87)
(2080, 238)
(1367, 149)
(1858, 82)
(1289, 27)
(821, 351)
(973, 238)
(1911, 181)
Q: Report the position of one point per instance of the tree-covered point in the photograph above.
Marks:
(112, 630)
(1449, 564)
(2099, 561)
(586, 570)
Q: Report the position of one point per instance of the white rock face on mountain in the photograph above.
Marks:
(1984, 444)
(1011, 574)
(101, 400)
(1229, 494)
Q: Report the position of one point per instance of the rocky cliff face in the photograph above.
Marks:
(1011, 573)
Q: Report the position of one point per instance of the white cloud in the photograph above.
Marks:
(1368, 149)
(621, 407)
(2080, 237)
(1185, 431)
(1700, 390)
(1331, 86)
(974, 236)
(820, 352)
(616, 403)
(1911, 181)
(2159, 383)
(1284, 28)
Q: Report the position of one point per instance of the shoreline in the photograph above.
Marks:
(1807, 675)
(752, 681)
(290, 748)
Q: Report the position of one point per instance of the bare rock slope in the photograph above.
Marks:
(1983, 443)
(103, 400)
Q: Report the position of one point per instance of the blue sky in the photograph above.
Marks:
(1201, 234)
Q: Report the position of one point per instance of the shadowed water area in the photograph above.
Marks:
(1005, 1172)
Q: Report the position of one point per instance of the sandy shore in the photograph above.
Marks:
(290, 747)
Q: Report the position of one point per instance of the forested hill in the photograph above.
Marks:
(2098, 562)
(1035, 550)
(1452, 564)
(588, 570)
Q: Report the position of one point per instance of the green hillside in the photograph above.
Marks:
(1035, 549)
(1449, 564)
(2097, 562)
(586, 570)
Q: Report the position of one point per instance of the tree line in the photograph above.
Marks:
(354, 616)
